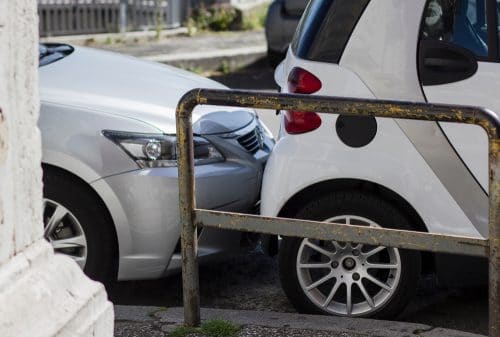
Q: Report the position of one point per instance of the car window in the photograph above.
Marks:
(325, 28)
(462, 22)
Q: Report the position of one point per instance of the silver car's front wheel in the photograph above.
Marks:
(348, 279)
(63, 230)
(77, 224)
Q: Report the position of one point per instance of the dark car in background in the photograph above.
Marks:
(282, 20)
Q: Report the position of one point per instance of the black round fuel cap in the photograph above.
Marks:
(356, 131)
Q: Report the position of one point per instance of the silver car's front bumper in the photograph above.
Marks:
(144, 204)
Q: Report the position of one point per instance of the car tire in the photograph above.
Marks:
(275, 57)
(361, 207)
(84, 214)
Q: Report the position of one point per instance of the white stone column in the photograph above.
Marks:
(41, 294)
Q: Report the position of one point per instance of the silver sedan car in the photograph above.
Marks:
(110, 164)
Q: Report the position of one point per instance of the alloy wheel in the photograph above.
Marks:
(348, 279)
(64, 232)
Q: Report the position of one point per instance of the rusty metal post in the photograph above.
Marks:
(187, 204)
(494, 238)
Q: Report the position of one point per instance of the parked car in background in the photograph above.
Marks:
(411, 175)
(282, 19)
(110, 162)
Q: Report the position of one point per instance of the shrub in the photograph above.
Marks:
(216, 18)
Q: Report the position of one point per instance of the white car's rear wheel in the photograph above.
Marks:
(349, 279)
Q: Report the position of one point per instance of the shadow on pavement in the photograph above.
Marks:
(244, 282)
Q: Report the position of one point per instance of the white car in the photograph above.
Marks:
(110, 168)
(414, 175)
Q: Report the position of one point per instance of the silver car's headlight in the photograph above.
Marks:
(158, 150)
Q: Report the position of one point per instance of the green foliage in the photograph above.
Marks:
(219, 328)
(222, 19)
(211, 328)
(183, 331)
(216, 19)
(192, 27)
(255, 19)
(224, 67)
(194, 69)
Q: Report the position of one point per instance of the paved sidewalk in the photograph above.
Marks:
(158, 322)
(205, 50)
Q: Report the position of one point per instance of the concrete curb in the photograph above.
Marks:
(232, 59)
(311, 323)
(220, 53)
(84, 38)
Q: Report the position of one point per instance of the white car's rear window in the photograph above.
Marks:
(325, 29)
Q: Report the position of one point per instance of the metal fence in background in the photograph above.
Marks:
(72, 17)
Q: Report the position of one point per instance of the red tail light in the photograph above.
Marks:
(300, 81)
(301, 122)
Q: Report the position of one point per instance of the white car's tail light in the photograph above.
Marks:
(300, 81)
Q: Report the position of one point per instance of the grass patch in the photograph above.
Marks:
(210, 328)
(219, 328)
(194, 69)
(183, 331)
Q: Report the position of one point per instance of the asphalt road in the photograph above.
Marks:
(250, 280)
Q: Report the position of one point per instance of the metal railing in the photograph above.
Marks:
(191, 217)
(71, 17)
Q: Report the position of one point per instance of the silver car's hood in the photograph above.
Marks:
(132, 88)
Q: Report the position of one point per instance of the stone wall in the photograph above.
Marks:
(41, 294)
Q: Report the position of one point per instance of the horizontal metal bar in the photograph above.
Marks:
(487, 119)
(344, 233)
